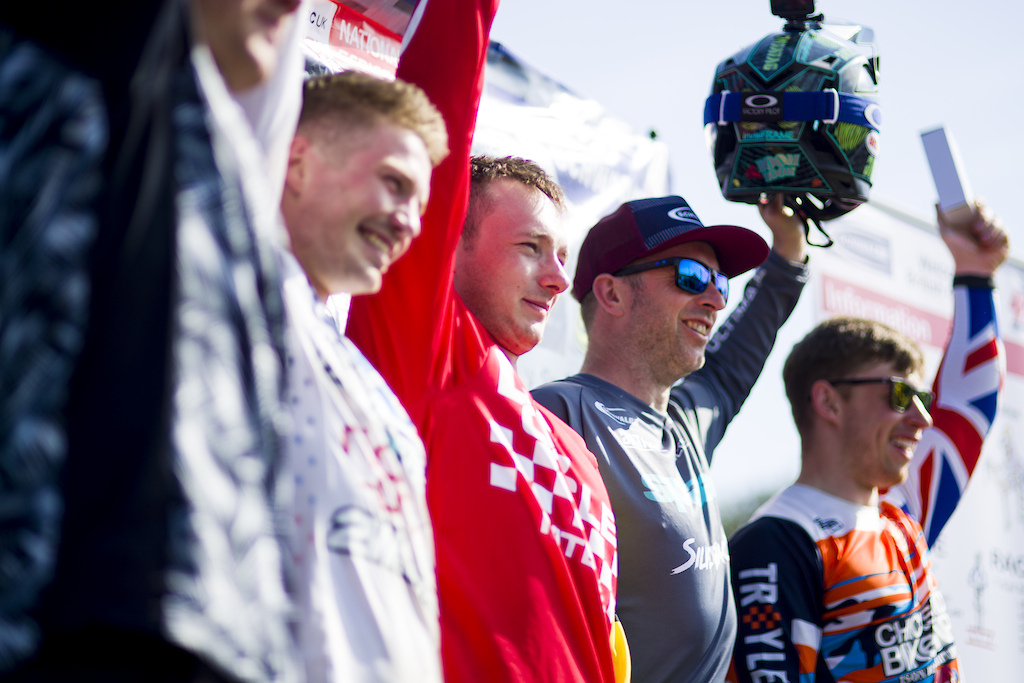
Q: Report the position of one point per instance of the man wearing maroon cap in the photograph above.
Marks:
(651, 279)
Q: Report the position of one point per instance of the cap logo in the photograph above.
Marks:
(683, 213)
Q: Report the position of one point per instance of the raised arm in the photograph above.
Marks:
(405, 329)
(968, 381)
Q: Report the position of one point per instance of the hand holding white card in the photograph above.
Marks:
(956, 201)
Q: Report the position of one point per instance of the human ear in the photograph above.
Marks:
(825, 401)
(295, 176)
(610, 294)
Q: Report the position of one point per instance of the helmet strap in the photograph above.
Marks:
(795, 202)
(807, 234)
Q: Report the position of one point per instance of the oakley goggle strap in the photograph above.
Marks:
(827, 106)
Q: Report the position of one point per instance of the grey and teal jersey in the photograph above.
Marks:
(674, 595)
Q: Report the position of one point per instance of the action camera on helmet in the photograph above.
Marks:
(793, 10)
(796, 113)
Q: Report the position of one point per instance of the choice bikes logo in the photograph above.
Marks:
(918, 646)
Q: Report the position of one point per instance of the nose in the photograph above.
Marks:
(711, 297)
(406, 221)
(553, 275)
(414, 224)
(918, 415)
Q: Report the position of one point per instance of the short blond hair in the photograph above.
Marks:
(356, 100)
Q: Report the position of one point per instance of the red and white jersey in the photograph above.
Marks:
(525, 536)
(523, 528)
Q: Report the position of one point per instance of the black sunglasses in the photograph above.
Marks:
(901, 393)
(691, 276)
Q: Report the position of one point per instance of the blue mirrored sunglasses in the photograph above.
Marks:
(691, 276)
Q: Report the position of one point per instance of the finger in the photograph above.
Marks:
(986, 225)
(997, 237)
(982, 212)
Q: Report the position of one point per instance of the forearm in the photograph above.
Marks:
(398, 329)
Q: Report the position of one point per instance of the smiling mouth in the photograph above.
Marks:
(699, 327)
(378, 242)
(904, 443)
(544, 308)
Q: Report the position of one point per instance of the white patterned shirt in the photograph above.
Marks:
(362, 555)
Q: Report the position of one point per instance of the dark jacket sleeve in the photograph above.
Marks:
(51, 150)
(777, 583)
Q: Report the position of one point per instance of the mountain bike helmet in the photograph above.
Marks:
(796, 113)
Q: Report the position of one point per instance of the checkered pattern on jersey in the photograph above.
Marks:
(583, 526)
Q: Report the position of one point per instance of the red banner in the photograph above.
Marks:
(353, 41)
(844, 298)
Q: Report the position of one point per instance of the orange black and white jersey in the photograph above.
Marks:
(828, 590)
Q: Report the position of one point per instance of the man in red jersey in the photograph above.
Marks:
(524, 532)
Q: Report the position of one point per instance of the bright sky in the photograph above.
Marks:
(651, 63)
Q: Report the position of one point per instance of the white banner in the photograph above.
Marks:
(979, 558)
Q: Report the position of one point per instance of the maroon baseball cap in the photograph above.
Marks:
(646, 226)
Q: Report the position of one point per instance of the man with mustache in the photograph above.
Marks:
(361, 552)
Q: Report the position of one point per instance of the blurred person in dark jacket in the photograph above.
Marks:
(140, 345)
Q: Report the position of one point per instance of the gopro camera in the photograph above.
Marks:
(795, 12)
(792, 9)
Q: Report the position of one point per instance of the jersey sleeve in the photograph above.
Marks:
(737, 352)
(967, 390)
(777, 583)
(407, 329)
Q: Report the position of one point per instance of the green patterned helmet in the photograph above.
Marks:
(796, 113)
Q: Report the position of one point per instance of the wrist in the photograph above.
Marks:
(796, 256)
(975, 280)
